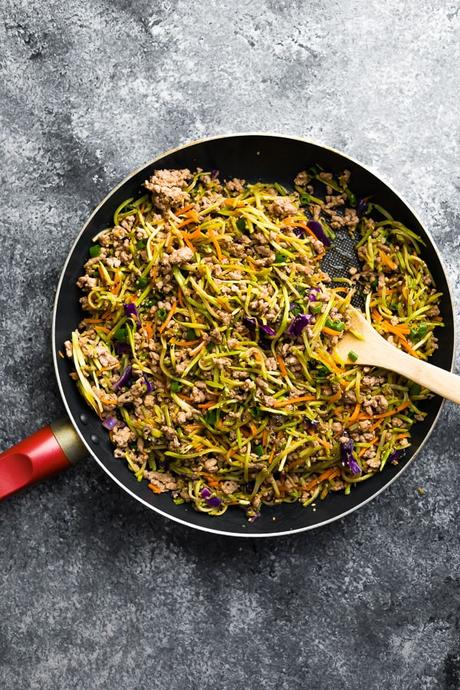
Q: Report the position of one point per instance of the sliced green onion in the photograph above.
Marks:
(95, 250)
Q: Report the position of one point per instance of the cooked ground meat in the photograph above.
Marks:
(169, 188)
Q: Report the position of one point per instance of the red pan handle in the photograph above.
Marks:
(48, 451)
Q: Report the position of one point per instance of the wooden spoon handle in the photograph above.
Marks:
(427, 375)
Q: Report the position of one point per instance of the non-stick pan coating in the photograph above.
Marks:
(254, 157)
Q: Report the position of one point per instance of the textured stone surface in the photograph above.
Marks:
(96, 591)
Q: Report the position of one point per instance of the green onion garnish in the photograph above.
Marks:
(95, 250)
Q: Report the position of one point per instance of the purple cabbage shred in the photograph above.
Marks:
(313, 423)
(124, 378)
(394, 456)
(213, 501)
(148, 385)
(122, 348)
(362, 207)
(347, 457)
(317, 228)
(298, 323)
(298, 232)
(205, 493)
(109, 423)
(130, 310)
(252, 324)
(267, 330)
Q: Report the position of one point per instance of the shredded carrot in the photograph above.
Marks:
(376, 425)
(196, 349)
(185, 222)
(115, 289)
(281, 365)
(148, 328)
(292, 401)
(253, 428)
(324, 443)
(399, 330)
(183, 211)
(102, 275)
(154, 488)
(376, 315)
(331, 473)
(93, 321)
(354, 415)
(187, 398)
(335, 397)
(387, 260)
(171, 313)
(407, 346)
(180, 298)
(195, 235)
(206, 405)
(216, 244)
(329, 331)
(401, 436)
(191, 428)
(233, 203)
(264, 437)
(189, 244)
(212, 481)
(191, 216)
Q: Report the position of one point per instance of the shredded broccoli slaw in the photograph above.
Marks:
(207, 347)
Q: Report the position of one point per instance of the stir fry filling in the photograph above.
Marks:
(207, 347)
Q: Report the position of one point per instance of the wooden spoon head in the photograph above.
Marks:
(366, 344)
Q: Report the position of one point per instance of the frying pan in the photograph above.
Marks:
(254, 157)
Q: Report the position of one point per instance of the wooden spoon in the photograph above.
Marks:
(376, 351)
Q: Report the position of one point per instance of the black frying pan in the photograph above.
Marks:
(254, 157)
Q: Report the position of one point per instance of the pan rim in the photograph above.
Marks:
(112, 191)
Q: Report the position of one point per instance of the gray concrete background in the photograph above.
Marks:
(97, 592)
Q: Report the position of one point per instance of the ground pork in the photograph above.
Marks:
(302, 178)
(122, 436)
(229, 487)
(86, 283)
(68, 348)
(282, 207)
(210, 465)
(105, 357)
(168, 188)
(179, 256)
(161, 480)
(235, 185)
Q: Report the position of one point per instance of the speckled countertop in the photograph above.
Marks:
(97, 592)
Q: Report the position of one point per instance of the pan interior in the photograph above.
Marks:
(264, 158)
